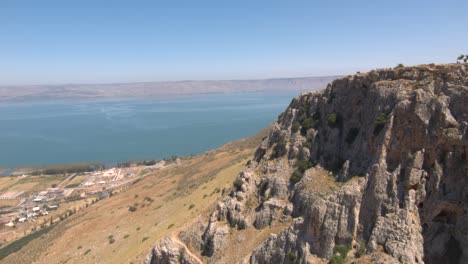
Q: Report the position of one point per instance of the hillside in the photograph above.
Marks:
(373, 169)
(121, 228)
(158, 89)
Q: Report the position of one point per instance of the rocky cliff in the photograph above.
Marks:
(372, 169)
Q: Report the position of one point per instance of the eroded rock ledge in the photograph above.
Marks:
(373, 167)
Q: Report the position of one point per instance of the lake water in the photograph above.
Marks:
(109, 131)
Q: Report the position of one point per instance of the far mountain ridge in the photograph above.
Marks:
(159, 89)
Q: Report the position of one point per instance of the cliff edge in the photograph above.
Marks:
(372, 169)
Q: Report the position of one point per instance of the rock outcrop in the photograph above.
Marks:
(168, 250)
(374, 166)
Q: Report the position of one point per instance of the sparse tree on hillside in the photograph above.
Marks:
(462, 57)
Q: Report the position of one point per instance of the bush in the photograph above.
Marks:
(298, 173)
(339, 254)
(303, 165)
(361, 250)
(149, 162)
(191, 206)
(306, 125)
(309, 122)
(259, 153)
(295, 126)
(238, 183)
(379, 123)
(332, 120)
(296, 176)
(279, 150)
(132, 208)
(291, 256)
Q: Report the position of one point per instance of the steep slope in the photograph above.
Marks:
(163, 201)
(373, 168)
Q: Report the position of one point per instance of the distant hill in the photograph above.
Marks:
(158, 89)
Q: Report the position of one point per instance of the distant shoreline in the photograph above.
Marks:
(28, 93)
(155, 97)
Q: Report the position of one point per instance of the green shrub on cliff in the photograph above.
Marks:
(379, 123)
(298, 173)
(279, 150)
(332, 118)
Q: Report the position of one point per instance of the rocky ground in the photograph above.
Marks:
(372, 169)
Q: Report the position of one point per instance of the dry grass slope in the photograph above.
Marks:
(108, 232)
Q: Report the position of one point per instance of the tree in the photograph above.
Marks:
(463, 57)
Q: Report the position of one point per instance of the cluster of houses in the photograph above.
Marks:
(31, 208)
(9, 220)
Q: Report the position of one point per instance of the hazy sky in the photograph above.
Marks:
(50, 42)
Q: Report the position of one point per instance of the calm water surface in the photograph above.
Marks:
(109, 131)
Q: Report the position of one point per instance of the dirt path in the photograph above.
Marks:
(176, 239)
(187, 251)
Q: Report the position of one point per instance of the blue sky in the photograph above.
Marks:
(53, 42)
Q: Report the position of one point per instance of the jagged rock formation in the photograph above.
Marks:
(374, 166)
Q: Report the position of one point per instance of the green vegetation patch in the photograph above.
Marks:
(259, 154)
(295, 126)
(69, 168)
(298, 173)
(379, 123)
(279, 150)
(307, 121)
(73, 185)
(332, 120)
(339, 254)
(238, 183)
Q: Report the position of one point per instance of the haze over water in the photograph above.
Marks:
(108, 131)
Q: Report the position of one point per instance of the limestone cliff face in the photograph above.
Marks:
(374, 167)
